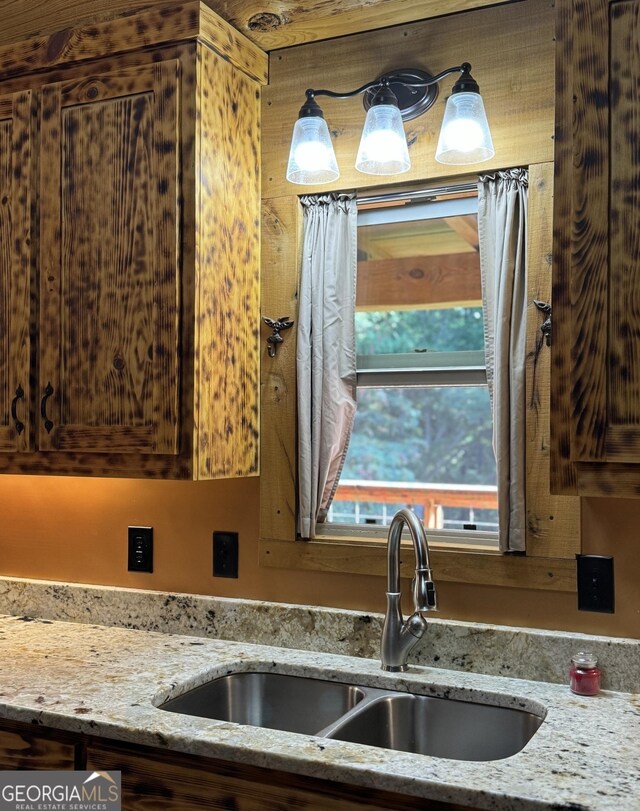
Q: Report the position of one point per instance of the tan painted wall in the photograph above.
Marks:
(76, 529)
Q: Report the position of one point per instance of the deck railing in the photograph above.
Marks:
(430, 499)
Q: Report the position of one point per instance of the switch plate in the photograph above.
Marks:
(140, 549)
(595, 583)
(225, 554)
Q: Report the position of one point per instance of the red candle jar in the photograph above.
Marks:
(584, 674)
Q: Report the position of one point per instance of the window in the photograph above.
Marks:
(423, 431)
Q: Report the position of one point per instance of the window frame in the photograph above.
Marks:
(553, 522)
(419, 368)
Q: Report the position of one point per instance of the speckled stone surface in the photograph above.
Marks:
(108, 681)
(468, 647)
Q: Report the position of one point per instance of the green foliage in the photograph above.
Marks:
(425, 434)
(454, 329)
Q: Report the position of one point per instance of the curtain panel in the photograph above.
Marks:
(326, 353)
(502, 229)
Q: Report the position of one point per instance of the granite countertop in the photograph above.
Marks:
(107, 681)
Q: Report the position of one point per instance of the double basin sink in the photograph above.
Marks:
(426, 725)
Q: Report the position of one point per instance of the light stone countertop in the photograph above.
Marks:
(106, 681)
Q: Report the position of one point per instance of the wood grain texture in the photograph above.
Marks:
(501, 44)
(281, 247)
(21, 748)
(623, 360)
(16, 181)
(171, 781)
(563, 473)
(553, 522)
(227, 271)
(110, 291)
(421, 281)
(277, 25)
(284, 23)
(360, 557)
(589, 236)
(596, 398)
(168, 22)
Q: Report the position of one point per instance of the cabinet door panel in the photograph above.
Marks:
(15, 269)
(110, 280)
(596, 297)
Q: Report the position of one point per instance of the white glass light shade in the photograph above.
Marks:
(311, 159)
(383, 147)
(465, 136)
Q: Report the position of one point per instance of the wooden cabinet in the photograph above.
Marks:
(170, 781)
(16, 168)
(129, 152)
(109, 262)
(173, 781)
(596, 292)
(22, 747)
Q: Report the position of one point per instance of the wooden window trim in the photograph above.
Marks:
(553, 522)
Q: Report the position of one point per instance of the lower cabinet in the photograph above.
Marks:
(23, 747)
(171, 781)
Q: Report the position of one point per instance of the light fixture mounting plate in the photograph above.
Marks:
(412, 101)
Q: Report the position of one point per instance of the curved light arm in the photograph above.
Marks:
(384, 81)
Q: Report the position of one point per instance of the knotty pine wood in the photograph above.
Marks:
(501, 43)
(284, 23)
(430, 281)
(280, 24)
(170, 781)
(16, 168)
(227, 271)
(168, 22)
(281, 253)
(553, 522)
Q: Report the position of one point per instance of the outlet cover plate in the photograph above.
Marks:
(595, 583)
(140, 556)
(225, 554)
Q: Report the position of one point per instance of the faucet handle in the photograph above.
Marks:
(424, 591)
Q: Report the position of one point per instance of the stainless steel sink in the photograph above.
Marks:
(273, 700)
(390, 719)
(439, 727)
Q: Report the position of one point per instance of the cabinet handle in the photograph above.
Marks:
(14, 409)
(43, 408)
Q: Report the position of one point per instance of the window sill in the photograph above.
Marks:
(486, 568)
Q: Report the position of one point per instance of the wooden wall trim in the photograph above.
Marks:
(510, 571)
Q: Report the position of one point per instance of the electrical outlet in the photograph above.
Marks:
(225, 554)
(140, 549)
(595, 583)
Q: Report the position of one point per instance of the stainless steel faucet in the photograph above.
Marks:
(398, 636)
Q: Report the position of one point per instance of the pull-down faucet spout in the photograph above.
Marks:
(398, 636)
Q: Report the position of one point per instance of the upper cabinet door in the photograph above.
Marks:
(109, 262)
(16, 143)
(596, 294)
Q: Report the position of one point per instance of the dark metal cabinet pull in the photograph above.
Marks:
(43, 408)
(14, 410)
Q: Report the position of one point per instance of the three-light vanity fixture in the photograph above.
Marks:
(389, 100)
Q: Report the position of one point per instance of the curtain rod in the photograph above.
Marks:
(400, 198)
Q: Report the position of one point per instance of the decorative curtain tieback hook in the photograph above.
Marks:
(545, 329)
(277, 325)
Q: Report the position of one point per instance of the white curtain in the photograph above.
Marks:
(326, 355)
(502, 228)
